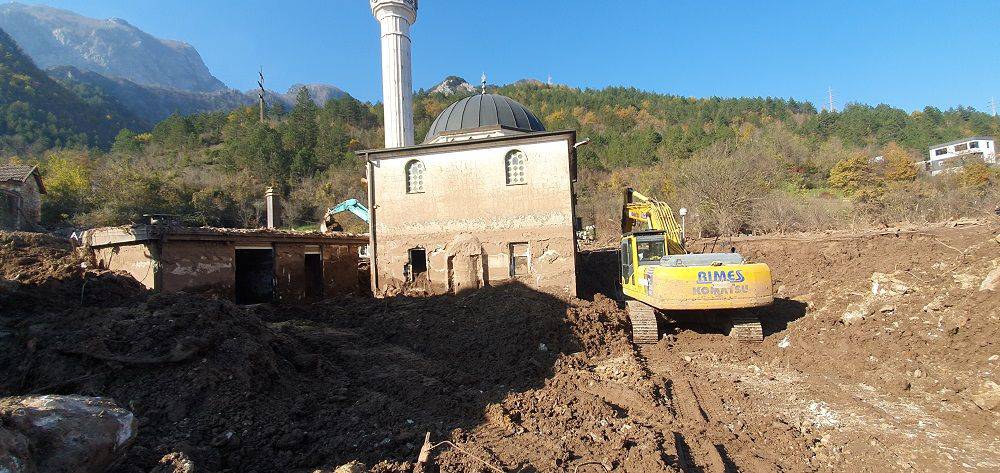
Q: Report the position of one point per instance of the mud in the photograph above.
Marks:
(845, 379)
(43, 272)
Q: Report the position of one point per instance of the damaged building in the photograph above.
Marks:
(246, 266)
(21, 192)
(486, 198)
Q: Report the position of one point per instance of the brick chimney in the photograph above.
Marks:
(272, 205)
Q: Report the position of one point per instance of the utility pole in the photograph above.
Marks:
(260, 93)
(829, 91)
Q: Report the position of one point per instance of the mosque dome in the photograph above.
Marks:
(483, 110)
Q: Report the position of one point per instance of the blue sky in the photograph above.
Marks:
(906, 54)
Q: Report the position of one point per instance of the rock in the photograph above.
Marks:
(987, 397)
(935, 305)
(222, 439)
(65, 433)
(855, 315)
(885, 285)
(993, 358)
(887, 308)
(992, 281)
(176, 462)
(352, 467)
(965, 281)
(918, 374)
(784, 343)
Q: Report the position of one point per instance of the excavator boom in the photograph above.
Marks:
(349, 205)
(653, 215)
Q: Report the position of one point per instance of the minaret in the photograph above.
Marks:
(395, 18)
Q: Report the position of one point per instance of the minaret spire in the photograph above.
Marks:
(483, 82)
(395, 18)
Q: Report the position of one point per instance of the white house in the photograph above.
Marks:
(956, 154)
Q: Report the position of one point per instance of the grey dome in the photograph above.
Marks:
(484, 110)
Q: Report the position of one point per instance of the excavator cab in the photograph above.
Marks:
(659, 276)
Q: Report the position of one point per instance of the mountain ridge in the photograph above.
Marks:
(36, 112)
(452, 85)
(150, 103)
(55, 37)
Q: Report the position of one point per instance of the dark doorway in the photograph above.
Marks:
(254, 276)
(314, 276)
(418, 262)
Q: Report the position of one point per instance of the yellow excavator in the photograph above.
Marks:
(658, 275)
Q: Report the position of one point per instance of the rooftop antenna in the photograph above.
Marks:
(483, 79)
(260, 93)
(829, 91)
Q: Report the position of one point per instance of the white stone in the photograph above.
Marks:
(987, 397)
(992, 281)
(965, 280)
(885, 285)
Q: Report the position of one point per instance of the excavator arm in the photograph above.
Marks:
(349, 205)
(647, 213)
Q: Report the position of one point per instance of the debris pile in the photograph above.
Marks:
(880, 349)
(40, 271)
(257, 388)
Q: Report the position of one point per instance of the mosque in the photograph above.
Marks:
(486, 198)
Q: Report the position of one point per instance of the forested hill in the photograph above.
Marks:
(37, 113)
(632, 127)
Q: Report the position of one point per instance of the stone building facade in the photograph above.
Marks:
(476, 204)
(21, 192)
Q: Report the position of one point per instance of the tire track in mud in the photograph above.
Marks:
(696, 451)
(703, 441)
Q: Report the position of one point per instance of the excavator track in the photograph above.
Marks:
(746, 328)
(643, 318)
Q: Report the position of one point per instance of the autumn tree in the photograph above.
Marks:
(854, 174)
(976, 175)
(898, 165)
(67, 177)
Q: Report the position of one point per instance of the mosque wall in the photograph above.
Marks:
(466, 226)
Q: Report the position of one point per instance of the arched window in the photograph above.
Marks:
(414, 177)
(515, 164)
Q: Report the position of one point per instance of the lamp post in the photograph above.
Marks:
(683, 211)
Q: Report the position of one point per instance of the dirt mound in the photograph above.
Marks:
(882, 349)
(263, 388)
(38, 270)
